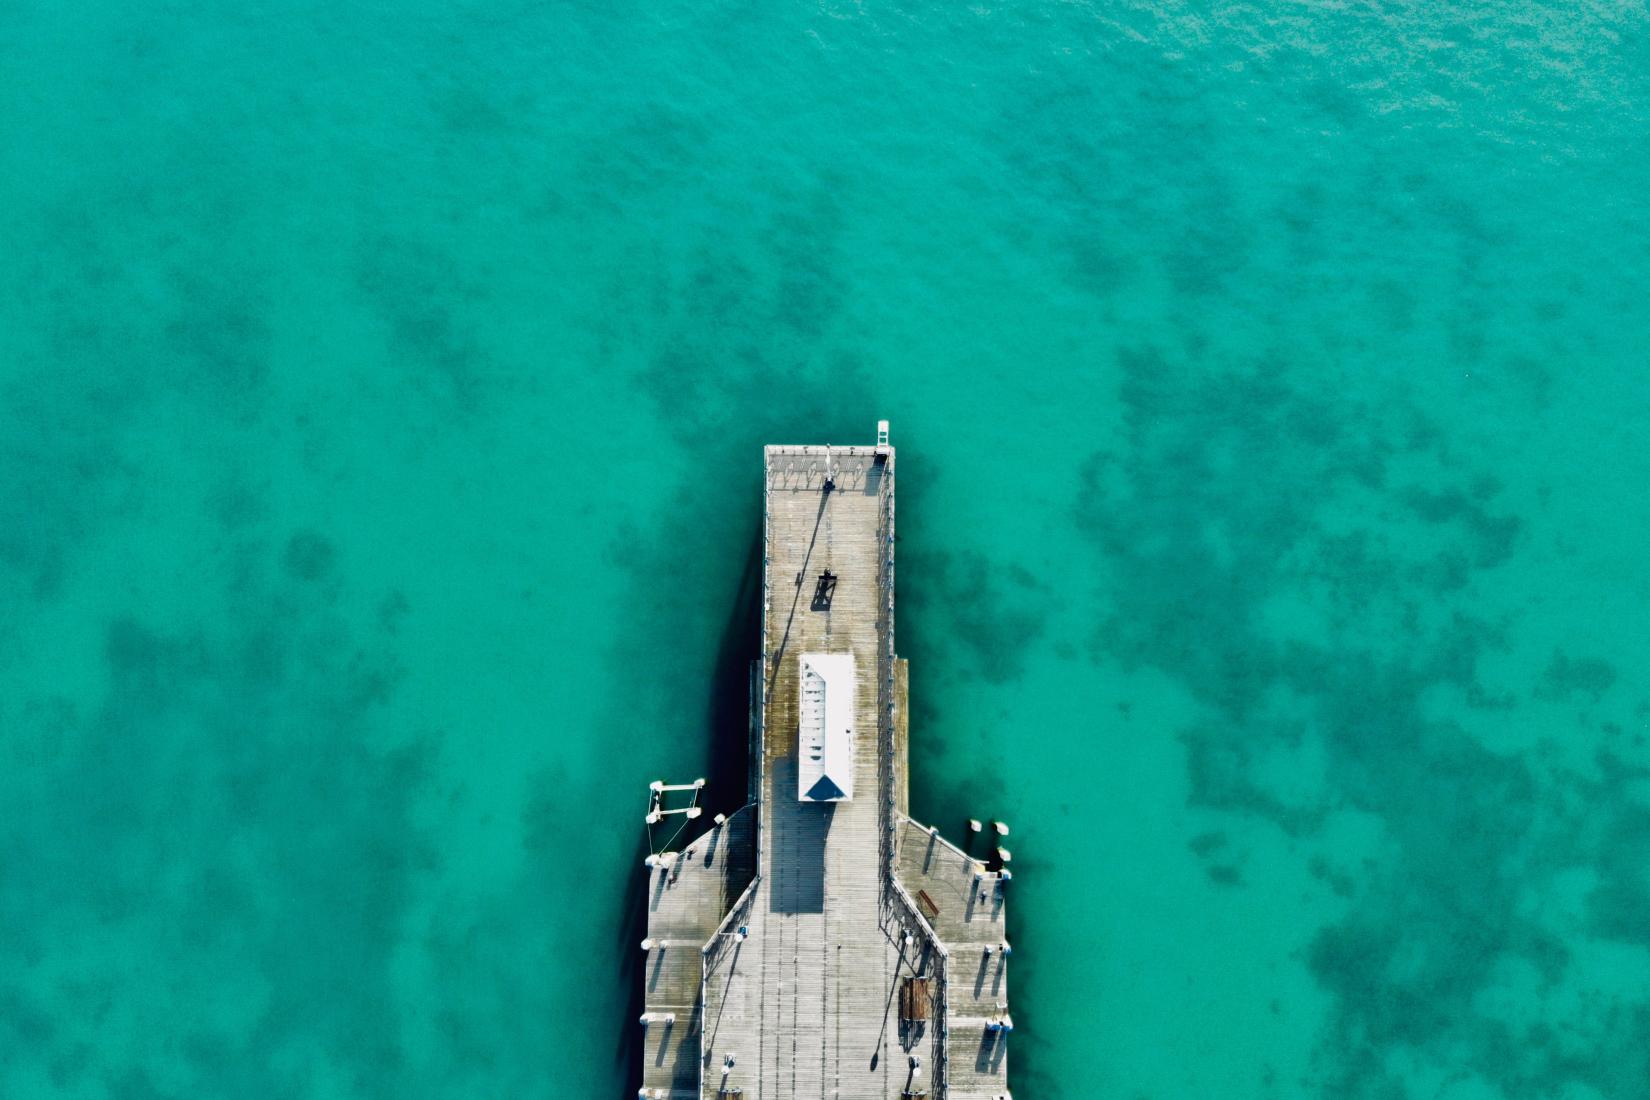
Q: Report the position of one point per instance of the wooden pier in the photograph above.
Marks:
(825, 947)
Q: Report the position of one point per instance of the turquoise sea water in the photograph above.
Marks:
(381, 395)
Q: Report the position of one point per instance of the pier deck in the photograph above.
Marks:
(808, 1004)
(967, 908)
(826, 978)
(687, 898)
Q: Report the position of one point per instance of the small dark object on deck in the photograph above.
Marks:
(927, 904)
(824, 590)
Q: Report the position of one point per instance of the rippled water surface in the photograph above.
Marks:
(381, 395)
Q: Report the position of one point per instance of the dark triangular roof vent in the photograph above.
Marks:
(824, 790)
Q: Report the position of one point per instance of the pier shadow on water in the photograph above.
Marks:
(727, 716)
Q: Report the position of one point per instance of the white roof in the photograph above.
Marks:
(825, 746)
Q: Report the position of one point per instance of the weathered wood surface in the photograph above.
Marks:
(685, 902)
(818, 1000)
(969, 914)
(807, 1004)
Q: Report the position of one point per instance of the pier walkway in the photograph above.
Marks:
(850, 966)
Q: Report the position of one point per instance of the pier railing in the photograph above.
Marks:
(758, 757)
(902, 908)
(908, 917)
(726, 933)
(759, 700)
(889, 700)
(710, 956)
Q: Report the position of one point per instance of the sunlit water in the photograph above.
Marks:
(383, 389)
